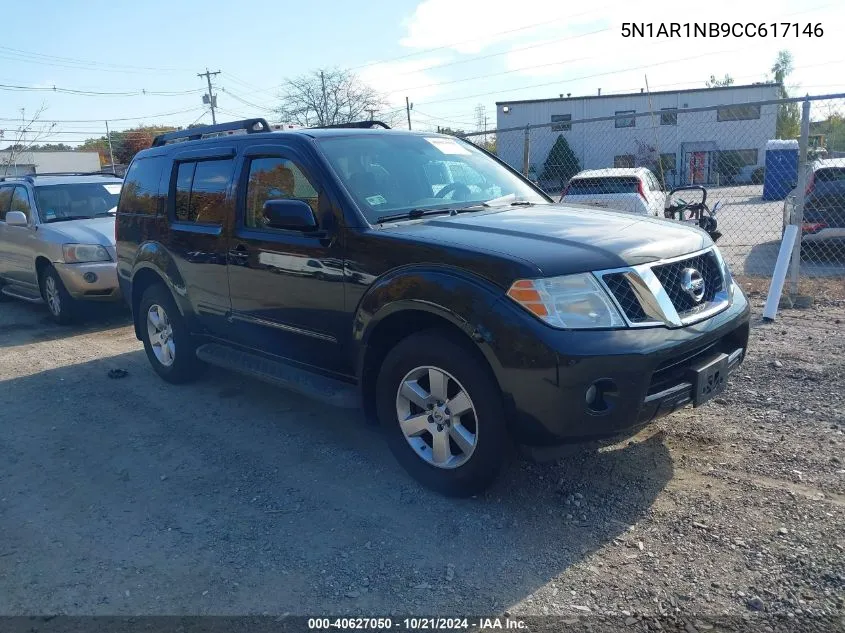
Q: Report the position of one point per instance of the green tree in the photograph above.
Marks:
(789, 114)
(718, 83)
(561, 163)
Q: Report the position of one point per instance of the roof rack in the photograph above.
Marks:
(357, 124)
(248, 126)
(32, 177)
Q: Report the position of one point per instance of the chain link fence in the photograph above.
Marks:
(663, 163)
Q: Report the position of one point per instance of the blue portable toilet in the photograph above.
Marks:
(781, 168)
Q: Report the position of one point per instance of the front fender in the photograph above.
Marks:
(463, 299)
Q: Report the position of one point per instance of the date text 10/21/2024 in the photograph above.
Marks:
(416, 624)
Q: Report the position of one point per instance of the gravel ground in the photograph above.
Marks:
(131, 496)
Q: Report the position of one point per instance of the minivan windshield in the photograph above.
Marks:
(394, 173)
(76, 201)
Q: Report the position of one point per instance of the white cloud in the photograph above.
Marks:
(391, 78)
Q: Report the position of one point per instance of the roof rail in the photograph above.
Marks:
(100, 172)
(27, 177)
(249, 126)
(357, 124)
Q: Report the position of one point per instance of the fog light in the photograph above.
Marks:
(601, 395)
(591, 395)
(90, 277)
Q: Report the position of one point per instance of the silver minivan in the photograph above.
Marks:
(57, 240)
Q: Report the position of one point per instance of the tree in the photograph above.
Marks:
(127, 143)
(328, 97)
(451, 132)
(24, 138)
(789, 115)
(561, 163)
(718, 83)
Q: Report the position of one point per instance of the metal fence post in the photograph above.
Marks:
(798, 214)
(526, 150)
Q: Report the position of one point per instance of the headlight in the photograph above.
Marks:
(80, 253)
(568, 302)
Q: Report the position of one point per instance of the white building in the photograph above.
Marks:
(688, 143)
(21, 163)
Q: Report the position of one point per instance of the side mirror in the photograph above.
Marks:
(16, 218)
(291, 215)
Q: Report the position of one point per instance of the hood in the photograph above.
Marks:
(561, 239)
(94, 231)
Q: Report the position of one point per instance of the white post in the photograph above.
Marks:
(798, 215)
(779, 276)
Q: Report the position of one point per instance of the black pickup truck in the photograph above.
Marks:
(421, 278)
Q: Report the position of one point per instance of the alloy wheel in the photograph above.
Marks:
(160, 335)
(437, 417)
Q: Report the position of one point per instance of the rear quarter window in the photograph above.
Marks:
(141, 194)
(602, 186)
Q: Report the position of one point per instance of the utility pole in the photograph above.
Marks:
(210, 98)
(371, 111)
(408, 106)
(111, 153)
(324, 118)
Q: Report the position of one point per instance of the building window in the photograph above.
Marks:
(748, 156)
(625, 121)
(669, 116)
(623, 160)
(563, 122)
(738, 113)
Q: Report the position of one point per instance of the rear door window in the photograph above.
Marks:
(201, 190)
(5, 200)
(140, 192)
(602, 186)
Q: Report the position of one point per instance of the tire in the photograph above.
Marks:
(169, 346)
(464, 469)
(61, 306)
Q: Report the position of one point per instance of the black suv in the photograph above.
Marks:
(419, 277)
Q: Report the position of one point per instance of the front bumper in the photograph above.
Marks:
(644, 374)
(95, 281)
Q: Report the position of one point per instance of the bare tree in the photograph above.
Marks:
(328, 97)
(27, 135)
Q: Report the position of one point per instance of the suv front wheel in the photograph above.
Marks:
(442, 413)
(167, 341)
(61, 305)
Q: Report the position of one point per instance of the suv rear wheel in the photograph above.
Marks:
(61, 305)
(169, 346)
(443, 414)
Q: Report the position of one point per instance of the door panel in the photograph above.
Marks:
(19, 243)
(287, 287)
(201, 210)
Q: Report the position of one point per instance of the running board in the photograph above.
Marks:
(17, 294)
(329, 390)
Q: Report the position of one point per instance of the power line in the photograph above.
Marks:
(245, 102)
(36, 58)
(98, 93)
(113, 119)
(569, 79)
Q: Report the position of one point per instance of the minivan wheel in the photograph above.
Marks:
(60, 304)
(442, 413)
(167, 342)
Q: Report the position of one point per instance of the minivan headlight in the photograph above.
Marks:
(567, 302)
(81, 253)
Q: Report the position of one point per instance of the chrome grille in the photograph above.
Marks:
(670, 277)
(621, 289)
(651, 294)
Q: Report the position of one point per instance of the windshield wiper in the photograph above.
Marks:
(413, 214)
(68, 219)
(522, 203)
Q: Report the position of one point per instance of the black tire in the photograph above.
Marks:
(61, 306)
(433, 348)
(185, 365)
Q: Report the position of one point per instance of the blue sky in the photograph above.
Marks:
(448, 56)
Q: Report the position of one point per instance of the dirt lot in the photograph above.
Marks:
(131, 496)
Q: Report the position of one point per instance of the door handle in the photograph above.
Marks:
(239, 254)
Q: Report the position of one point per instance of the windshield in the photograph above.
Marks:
(76, 201)
(389, 174)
